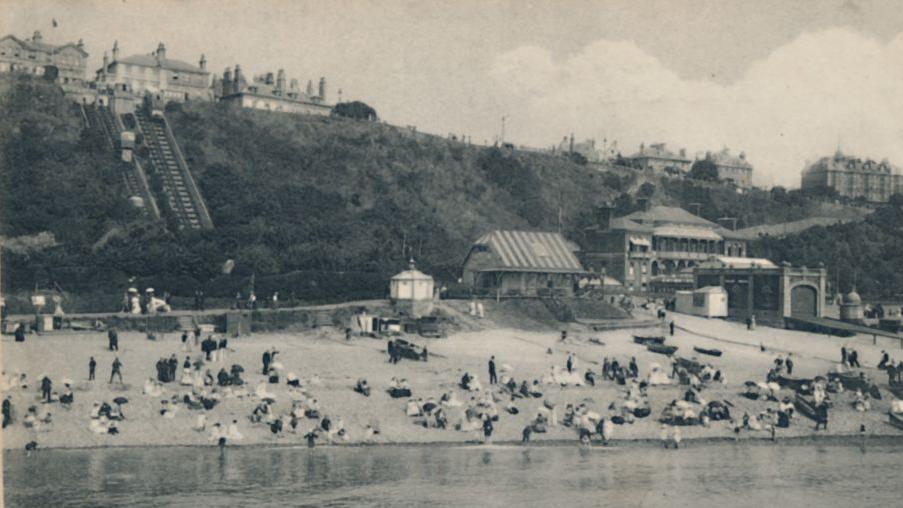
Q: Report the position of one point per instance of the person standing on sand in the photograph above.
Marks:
(570, 363)
(884, 359)
(46, 386)
(789, 363)
(116, 371)
(493, 379)
(843, 355)
(223, 347)
(266, 362)
(854, 358)
(7, 411)
(92, 366)
(671, 325)
(113, 339)
(487, 430)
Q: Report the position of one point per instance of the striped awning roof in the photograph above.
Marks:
(529, 251)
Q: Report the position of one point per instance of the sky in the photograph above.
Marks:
(784, 82)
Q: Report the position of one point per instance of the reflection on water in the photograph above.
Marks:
(715, 475)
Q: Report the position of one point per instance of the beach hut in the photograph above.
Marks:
(708, 302)
(411, 291)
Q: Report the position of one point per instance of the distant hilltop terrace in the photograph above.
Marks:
(852, 177)
(122, 83)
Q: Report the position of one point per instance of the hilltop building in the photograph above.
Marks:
(586, 148)
(655, 251)
(659, 159)
(271, 93)
(66, 63)
(126, 80)
(522, 263)
(734, 169)
(852, 177)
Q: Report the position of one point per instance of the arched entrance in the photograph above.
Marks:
(803, 301)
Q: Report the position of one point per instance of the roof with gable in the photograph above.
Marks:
(658, 151)
(530, 251)
(660, 215)
(43, 46)
(724, 158)
(153, 61)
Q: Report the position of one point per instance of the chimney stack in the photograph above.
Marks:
(322, 89)
(161, 52)
(115, 50)
(603, 216)
(203, 62)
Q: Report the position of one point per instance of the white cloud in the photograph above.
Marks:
(795, 105)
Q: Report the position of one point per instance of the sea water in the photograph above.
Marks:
(717, 475)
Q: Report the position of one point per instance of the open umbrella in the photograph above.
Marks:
(277, 365)
(121, 400)
(291, 376)
(269, 400)
(67, 381)
(749, 384)
(774, 387)
(506, 368)
(237, 368)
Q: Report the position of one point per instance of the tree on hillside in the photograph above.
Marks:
(356, 109)
(647, 190)
(704, 170)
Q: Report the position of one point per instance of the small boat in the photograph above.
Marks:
(897, 389)
(710, 352)
(691, 366)
(661, 349)
(895, 419)
(639, 339)
(806, 406)
(794, 383)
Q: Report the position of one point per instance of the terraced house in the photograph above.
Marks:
(66, 63)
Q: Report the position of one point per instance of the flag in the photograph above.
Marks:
(55, 24)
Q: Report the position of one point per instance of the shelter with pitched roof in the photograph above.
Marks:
(67, 62)
(655, 250)
(522, 263)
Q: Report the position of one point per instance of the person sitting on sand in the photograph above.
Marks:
(167, 410)
(233, 432)
(413, 409)
(260, 412)
(540, 423)
(291, 379)
(31, 419)
(99, 426)
(116, 413)
(208, 378)
(465, 381)
(362, 387)
(200, 423)
(216, 432)
(313, 409)
(450, 399)
(223, 378)
(187, 379)
(67, 397)
(861, 402)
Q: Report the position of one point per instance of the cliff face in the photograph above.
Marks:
(337, 194)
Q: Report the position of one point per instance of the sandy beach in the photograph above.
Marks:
(338, 363)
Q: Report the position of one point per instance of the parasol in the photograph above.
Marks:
(67, 381)
(277, 365)
(121, 400)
